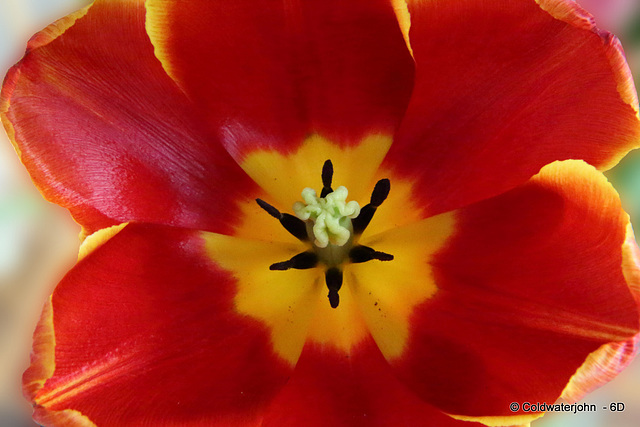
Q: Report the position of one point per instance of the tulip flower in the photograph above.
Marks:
(313, 213)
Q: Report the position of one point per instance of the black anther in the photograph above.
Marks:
(333, 279)
(363, 219)
(363, 253)
(295, 226)
(380, 192)
(270, 209)
(327, 177)
(302, 261)
(334, 298)
(379, 195)
(292, 224)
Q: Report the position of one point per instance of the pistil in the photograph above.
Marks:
(330, 215)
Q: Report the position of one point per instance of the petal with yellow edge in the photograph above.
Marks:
(503, 88)
(527, 285)
(270, 73)
(148, 323)
(609, 360)
(104, 132)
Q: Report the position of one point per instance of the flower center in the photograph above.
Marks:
(330, 223)
(329, 216)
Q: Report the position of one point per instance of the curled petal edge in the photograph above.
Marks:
(40, 39)
(519, 420)
(41, 369)
(56, 29)
(94, 241)
(66, 418)
(43, 354)
(571, 13)
(404, 20)
(609, 360)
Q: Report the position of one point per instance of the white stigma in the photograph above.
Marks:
(331, 215)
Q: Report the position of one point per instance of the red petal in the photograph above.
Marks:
(331, 388)
(106, 133)
(609, 360)
(147, 324)
(530, 283)
(503, 88)
(270, 73)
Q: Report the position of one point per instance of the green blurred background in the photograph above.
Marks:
(38, 241)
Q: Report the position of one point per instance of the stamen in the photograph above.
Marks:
(380, 192)
(270, 209)
(379, 195)
(302, 261)
(293, 225)
(333, 279)
(327, 177)
(330, 221)
(363, 253)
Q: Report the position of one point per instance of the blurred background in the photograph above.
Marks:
(39, 241)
